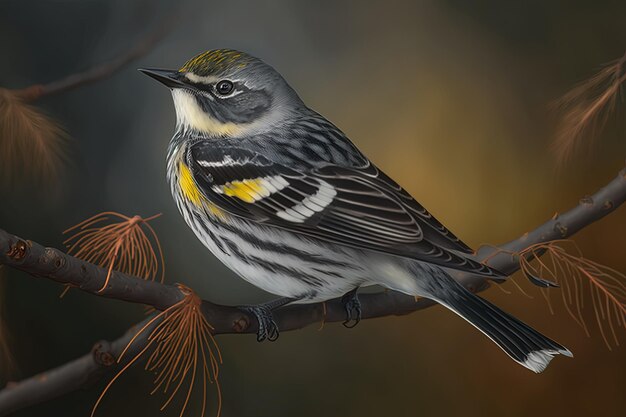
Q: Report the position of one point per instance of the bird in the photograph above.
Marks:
(287, 201)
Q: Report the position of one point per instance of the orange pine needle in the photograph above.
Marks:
(32, 145)
(607, 287)
(586, 109)
(182, 346)
(126, 245)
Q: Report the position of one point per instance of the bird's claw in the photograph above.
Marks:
(352, 306)
(268, 329)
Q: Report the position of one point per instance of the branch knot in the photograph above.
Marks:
(52, 256)
(586, 201)
(241, 324)
(18, 250)
(561, 229)
(102, 353)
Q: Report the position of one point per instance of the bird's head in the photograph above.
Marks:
(227, 93)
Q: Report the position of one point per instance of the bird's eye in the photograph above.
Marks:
(224, 87)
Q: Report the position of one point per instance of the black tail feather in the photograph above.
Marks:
(522, 343)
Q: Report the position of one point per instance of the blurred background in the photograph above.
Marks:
(448, 97)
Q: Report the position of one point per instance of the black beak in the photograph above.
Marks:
(170, 78)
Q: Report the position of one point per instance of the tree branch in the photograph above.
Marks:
(103, 70)
(74, 375)
(53, 264)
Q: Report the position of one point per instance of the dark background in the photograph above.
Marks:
(450, 98)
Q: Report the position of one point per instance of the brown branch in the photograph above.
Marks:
(40, 261)
(74, 375)
(103, 70)
(53, 264)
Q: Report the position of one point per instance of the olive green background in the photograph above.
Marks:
(448, 97)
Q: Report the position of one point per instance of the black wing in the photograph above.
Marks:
(357, 207)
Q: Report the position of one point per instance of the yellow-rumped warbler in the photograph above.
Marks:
(282, 197)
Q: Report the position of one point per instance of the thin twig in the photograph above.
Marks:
(103, 70)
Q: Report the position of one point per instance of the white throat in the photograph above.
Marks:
(190, 116)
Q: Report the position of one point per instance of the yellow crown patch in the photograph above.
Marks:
(214, 61)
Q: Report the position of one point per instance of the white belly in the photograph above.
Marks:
(280, 262)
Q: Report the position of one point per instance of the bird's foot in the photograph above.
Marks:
(352, 306)
(268, 329)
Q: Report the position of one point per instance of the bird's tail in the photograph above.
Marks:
(522, 343)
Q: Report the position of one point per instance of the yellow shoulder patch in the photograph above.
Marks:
(246, 190)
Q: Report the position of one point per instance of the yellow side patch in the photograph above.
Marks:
(192, 193)
(188, 186)
(215, 211)
(246, 190)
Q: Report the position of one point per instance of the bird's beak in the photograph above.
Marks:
(170, 78)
